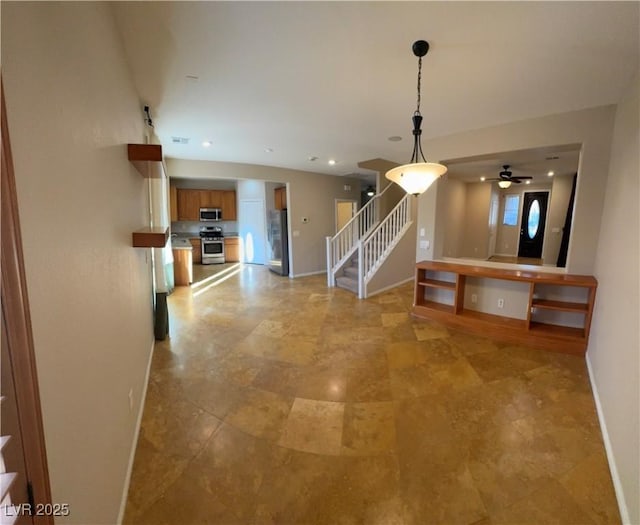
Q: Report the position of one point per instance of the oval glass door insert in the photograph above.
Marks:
(533, 221)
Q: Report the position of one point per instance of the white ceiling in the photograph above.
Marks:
(336, 79)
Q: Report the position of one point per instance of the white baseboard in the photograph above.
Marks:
(134, 444)
(291, 276)
(395, 285)
(615, 477)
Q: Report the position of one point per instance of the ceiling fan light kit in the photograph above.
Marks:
(507, 178)
(416, 176)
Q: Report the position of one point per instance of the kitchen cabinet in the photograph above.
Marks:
(280, 195)
(229, 205)
(182, 267)
(173, 202)
(210, 198)
(188, 205)
(197, 250)
(232, 249)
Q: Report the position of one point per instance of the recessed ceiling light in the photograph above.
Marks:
(268, 150)
(528, 182)
(206, 143)
(550, 174)
(394, 138)
(332, 162)
(313, 158)
(483, 179)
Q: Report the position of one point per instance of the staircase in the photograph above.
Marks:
(361, 247)
(349, 278)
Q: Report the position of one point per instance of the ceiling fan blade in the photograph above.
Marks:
(521, 178)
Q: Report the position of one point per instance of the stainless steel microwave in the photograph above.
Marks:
(210, 214)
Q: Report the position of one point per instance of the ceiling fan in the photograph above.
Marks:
(507, 176)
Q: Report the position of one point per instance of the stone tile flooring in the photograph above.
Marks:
(281, 401)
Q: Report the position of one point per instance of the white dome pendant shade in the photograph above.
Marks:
(416, 177)
(504, 184)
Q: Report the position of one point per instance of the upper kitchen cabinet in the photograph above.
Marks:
(147, 159)
(173, 202)
(188, 205)
(229, 205)
(210, 198)
(280, 195)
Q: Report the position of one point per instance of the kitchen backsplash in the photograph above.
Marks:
(195, 226)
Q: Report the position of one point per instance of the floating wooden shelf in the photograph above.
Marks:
(561, 306)
(147, 158)
(150, 238)
(438, 284)
(544, 335)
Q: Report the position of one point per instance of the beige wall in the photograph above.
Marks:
(476, 221)
(453, 200)
(590, 127)
(613, 353)
(72, 109)
(310, 195)
(560, 195)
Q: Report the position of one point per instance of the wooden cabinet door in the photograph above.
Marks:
(232, 249)
(188, 205)
(280, 195)
(211, 198)
(173, 202)
(229, 205)
(197, 250)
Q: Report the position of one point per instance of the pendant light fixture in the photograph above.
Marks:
(418, 175)
(504, 184)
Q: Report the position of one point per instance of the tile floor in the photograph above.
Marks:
(282, 401)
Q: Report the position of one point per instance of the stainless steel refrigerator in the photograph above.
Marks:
(278, 242)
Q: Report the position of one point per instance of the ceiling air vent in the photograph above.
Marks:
(180, 140)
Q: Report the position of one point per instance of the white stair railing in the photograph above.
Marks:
(373, 250)
(344, 243)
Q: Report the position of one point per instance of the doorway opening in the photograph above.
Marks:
(345, 210)
(532, 224)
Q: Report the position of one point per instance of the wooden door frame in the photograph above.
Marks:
(16, 313)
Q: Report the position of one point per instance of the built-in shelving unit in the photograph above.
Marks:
(147, 159)
(439, 295)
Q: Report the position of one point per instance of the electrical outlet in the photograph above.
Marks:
(474, 298)
(500, 303)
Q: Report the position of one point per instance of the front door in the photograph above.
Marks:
(532, 223)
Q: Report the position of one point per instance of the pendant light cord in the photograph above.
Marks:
(419, 82)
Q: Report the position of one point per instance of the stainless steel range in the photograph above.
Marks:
(212, 241)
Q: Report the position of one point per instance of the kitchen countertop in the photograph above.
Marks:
(180, 243)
